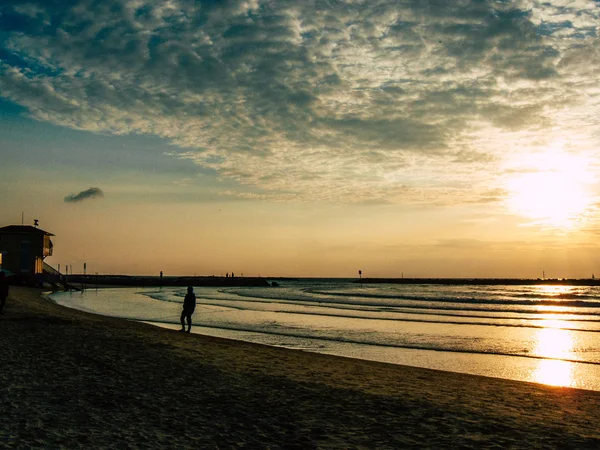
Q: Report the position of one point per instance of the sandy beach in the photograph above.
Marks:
(71, 379)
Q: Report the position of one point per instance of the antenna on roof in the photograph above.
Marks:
(36, 222)
(22, 218)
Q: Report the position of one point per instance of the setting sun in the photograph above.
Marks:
(554, 189)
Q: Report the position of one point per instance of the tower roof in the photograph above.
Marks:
(23, 229)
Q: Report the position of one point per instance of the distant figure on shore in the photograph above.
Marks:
(3, 290)
(189, 305)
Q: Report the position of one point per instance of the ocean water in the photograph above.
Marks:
(543, 334)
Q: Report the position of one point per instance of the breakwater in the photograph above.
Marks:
(132, 280)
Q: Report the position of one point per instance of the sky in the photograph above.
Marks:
(415, 138)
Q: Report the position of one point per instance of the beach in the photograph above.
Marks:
(71, 379)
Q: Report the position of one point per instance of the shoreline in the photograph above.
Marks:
(522, 366)
(558, 371)
(76, 379)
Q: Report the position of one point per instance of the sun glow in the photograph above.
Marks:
(552, 189)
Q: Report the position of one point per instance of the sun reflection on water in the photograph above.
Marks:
(554, 290)
(557, 344)
(554, 295)
(554, 373)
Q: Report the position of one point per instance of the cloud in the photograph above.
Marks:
(293, 99)
(92, 192)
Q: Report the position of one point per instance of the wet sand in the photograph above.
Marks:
(71, 379)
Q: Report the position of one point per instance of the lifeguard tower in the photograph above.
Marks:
(23, 249)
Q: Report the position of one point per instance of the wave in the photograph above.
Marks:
(161, 296)
(425, 311)
(346, 310)
(449, 322)
(424, 303)
(179, 296)
(384, 344)
(546, 301)
(562, 296)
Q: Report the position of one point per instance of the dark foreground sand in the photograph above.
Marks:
(70, 379)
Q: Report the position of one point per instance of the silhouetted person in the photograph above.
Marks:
(189, 305)
(3, 290)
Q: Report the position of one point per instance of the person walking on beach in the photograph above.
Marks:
(3, 290)
(189, 305)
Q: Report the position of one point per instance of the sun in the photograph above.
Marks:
(552, 189)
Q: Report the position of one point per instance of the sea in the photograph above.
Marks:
(545, 334)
